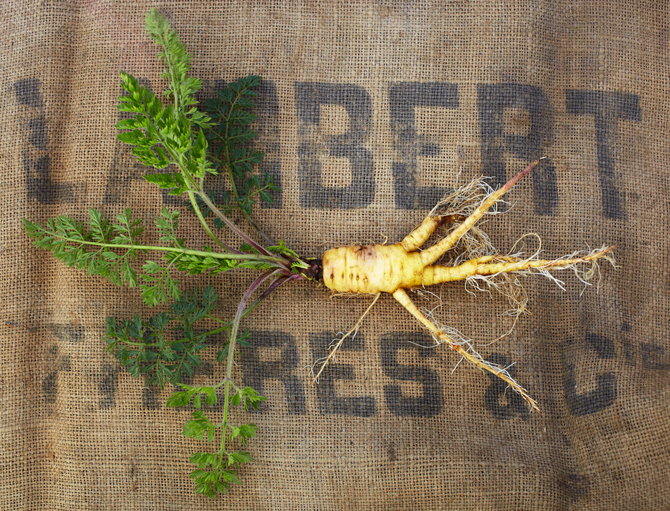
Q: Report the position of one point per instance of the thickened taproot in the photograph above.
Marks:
(371, 269)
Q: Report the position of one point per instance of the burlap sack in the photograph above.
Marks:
(369, 111)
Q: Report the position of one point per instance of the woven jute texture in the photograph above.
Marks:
(368, 112)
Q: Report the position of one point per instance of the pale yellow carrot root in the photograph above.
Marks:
(393, 269)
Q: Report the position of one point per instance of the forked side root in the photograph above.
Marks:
(464, 349)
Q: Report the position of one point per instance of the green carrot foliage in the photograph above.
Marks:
(185, 145)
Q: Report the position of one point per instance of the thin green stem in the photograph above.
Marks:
(228, 324)
(226, 402)
(241, 135)
(194, 203)
(218, 320)
(231, 178)
(275, 261)
(231, 225)
(181, 360)
(170, 66)
(244, 213)
(231, 350)
(142, 344)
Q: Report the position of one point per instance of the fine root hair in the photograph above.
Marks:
(463, 201)
(338, 341)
